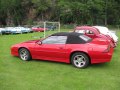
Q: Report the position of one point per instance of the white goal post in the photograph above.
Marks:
(53, 23)
(48, 28)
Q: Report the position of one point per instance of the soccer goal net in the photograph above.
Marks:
(47, 28)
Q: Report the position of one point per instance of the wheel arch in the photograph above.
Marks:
(25, 48)
(80, 52)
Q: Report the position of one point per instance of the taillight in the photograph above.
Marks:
(107, 50)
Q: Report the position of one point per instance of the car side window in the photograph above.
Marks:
(55, 40)
(89, 32)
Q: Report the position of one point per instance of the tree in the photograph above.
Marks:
(90, 12)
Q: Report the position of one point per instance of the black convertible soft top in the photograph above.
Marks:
(67, 34)
(73, 37)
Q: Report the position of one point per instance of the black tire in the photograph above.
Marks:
(24, 54)
(80, 60)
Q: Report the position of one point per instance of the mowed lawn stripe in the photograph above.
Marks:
(16, 74)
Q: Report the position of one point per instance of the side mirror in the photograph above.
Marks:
(39, 43)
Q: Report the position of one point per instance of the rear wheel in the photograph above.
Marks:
(24, 54)
(80, 60)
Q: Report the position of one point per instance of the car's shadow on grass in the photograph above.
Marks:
(100, 65)
(51, 62)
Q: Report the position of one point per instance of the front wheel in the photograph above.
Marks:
(80, 60)
(24, 54)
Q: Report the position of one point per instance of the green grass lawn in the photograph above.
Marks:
(16, 74)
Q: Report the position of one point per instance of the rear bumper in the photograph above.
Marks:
(103, 57)
(116, 43)
(6, 32)
(24, 31)
(15, 32)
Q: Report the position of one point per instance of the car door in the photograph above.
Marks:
(52, 48)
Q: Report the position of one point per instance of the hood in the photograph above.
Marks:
(31, 41)
(25, 43)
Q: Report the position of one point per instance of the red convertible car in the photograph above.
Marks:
(68, 47)
(38, 29)
(94, 33)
